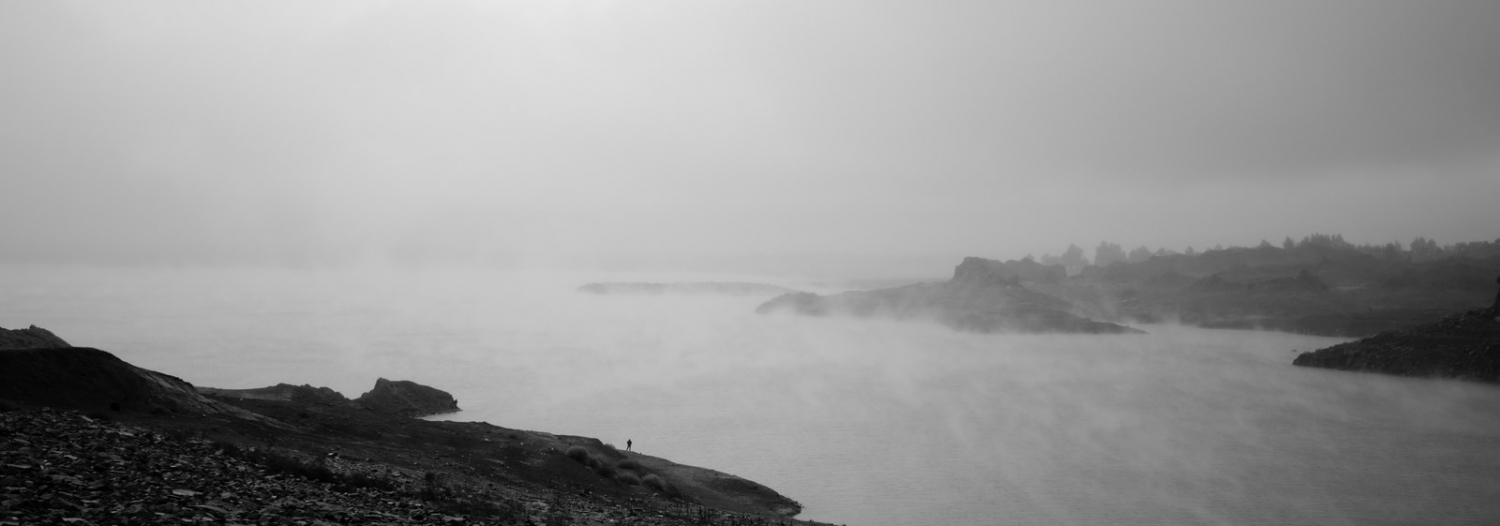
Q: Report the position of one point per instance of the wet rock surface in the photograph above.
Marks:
(1464, 346)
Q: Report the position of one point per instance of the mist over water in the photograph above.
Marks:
(863, 422)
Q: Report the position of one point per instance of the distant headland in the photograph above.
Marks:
(1321, 285)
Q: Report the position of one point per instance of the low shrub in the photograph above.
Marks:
(604, 470)
(630, 463)
(659, 484)
(580, 454)
(628, 478)
(289, 465)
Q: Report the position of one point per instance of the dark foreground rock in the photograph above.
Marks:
(287, 455)
(1464, 346)
(983, 296)
(406, 398)
(88, 379)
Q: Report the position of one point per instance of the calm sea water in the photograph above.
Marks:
(863, 422)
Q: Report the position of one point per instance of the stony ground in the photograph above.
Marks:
(63, 467)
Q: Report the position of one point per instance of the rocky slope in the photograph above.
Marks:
(30, 338)
(1464, 346)
(62, 467)
(155, 449)
(983, 296)
(89, 379)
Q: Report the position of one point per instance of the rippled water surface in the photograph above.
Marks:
(863, 422)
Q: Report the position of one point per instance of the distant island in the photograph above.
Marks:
(1321, 285)
(692, 288)
(93, 439)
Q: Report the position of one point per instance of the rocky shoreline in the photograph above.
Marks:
(86, 438)
(1463, 346)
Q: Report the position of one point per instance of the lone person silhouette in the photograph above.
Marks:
(627, 441)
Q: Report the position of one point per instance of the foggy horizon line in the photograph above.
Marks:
(809, 264)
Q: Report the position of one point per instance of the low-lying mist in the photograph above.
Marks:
(863, 421)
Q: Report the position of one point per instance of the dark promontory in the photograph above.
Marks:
(1464, 346)
(91, 439)
(401, 397)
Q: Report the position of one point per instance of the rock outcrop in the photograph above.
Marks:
(984, 296)
(89, 379)
(1464, 346)
(302, 394)
(30, 338)
(406, 398)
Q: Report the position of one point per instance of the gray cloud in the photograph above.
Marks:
(614, 133)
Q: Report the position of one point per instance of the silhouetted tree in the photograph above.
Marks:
(1323, 240)
(1288, 244)
(1265, 244)
(1140, 254)
(1073, 257)
(1107, 253)
(1423, 248)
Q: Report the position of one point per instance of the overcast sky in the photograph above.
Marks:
(744, 135)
